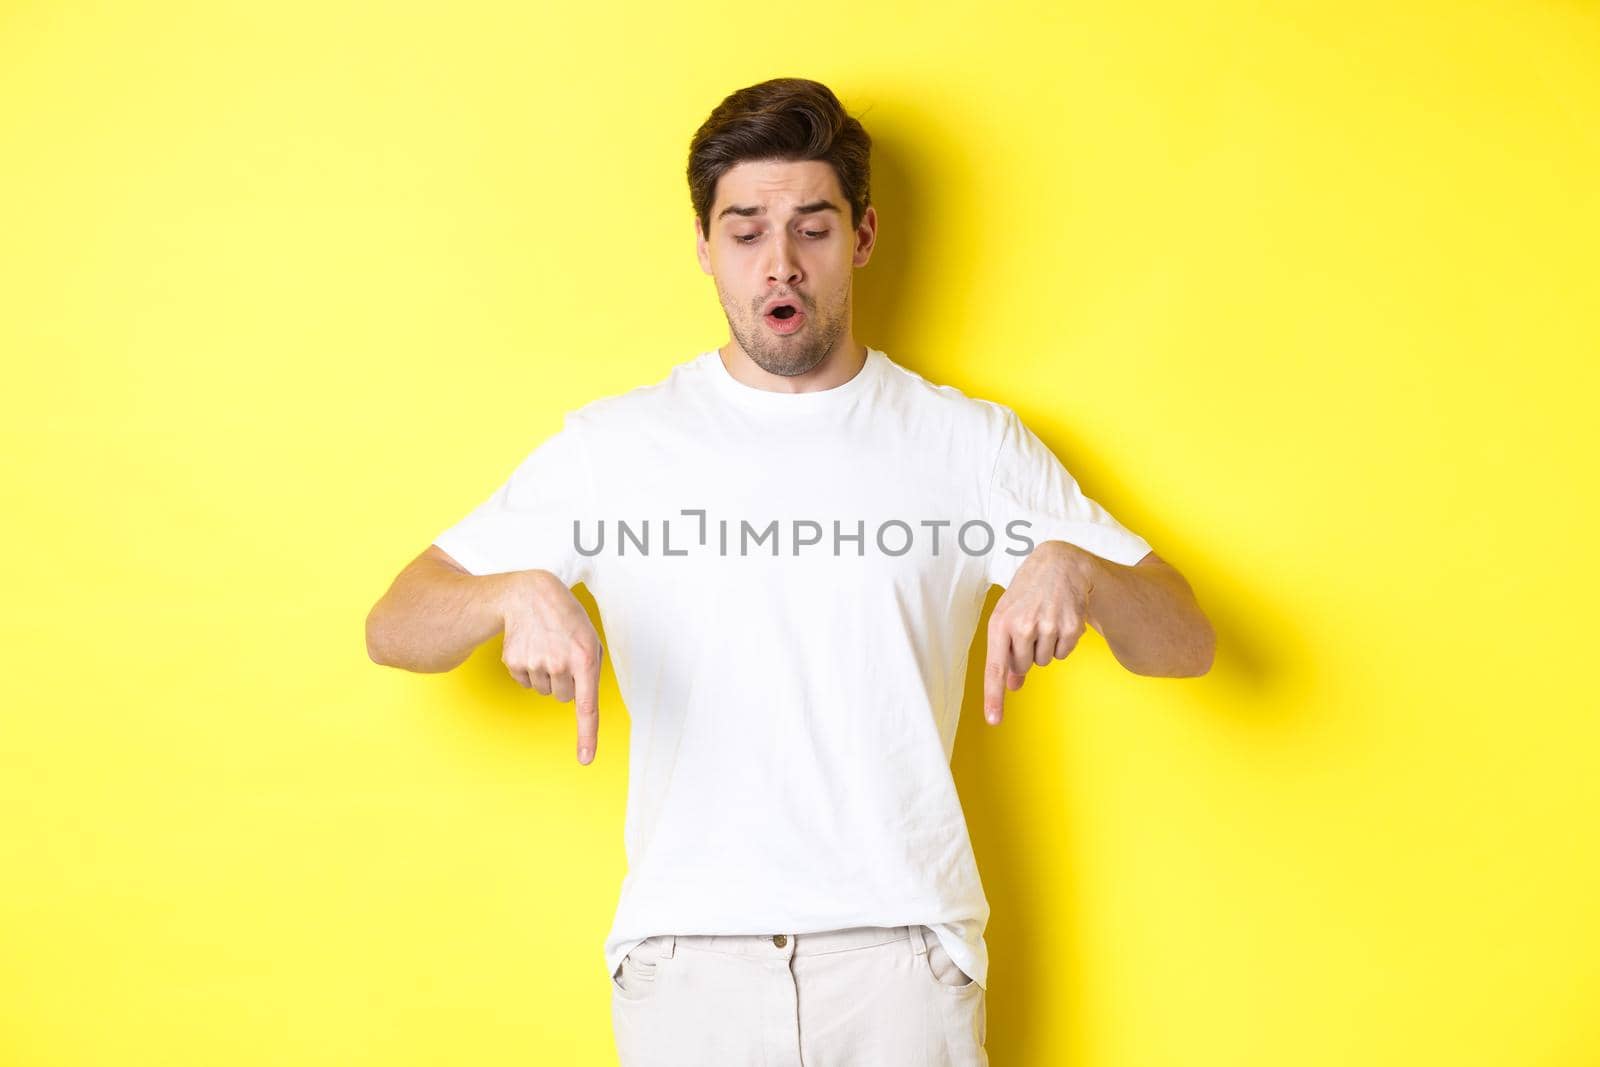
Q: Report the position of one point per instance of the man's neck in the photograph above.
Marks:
(838, 367)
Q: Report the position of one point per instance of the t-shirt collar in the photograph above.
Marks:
(769, 400)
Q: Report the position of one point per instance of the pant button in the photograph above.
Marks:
(779, 940)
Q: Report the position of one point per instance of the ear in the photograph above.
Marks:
(701, 250)
(866, 236)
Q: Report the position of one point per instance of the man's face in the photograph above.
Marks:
(780, 231)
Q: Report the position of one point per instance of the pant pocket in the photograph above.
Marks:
(635, 977)
(942, 967)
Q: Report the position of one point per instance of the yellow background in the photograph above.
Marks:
(1305, 294)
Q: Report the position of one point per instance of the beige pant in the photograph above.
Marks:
(869, 996)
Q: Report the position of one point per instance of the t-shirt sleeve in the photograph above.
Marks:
(1029, 483)
(528, 522)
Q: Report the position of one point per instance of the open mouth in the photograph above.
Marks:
(785, 318)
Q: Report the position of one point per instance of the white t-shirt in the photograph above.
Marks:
(793, 707)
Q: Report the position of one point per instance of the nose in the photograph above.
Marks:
(783, 266)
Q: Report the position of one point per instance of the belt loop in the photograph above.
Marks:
(919, 943)
(667, 944)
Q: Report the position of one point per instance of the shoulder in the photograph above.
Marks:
(625, 409)
(976, 419)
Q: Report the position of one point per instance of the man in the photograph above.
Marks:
(790, 540)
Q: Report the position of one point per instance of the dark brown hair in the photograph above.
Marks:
(791, 119)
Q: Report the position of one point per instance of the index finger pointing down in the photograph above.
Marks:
(994, 677)
(586, 675)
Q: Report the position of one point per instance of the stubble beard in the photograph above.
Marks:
(796, 354)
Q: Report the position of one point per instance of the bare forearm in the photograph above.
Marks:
(1150, 619)
(433, 616)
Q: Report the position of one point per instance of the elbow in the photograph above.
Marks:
(1190, 659)
(1204, 653)
(376, 650)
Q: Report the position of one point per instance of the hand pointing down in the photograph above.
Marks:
(550, 645)
(1040, 617)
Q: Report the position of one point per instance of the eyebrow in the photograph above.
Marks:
(757, 209)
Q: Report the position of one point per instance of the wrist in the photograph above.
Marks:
(1087, 569)
(1092, 575)
(506, 591)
